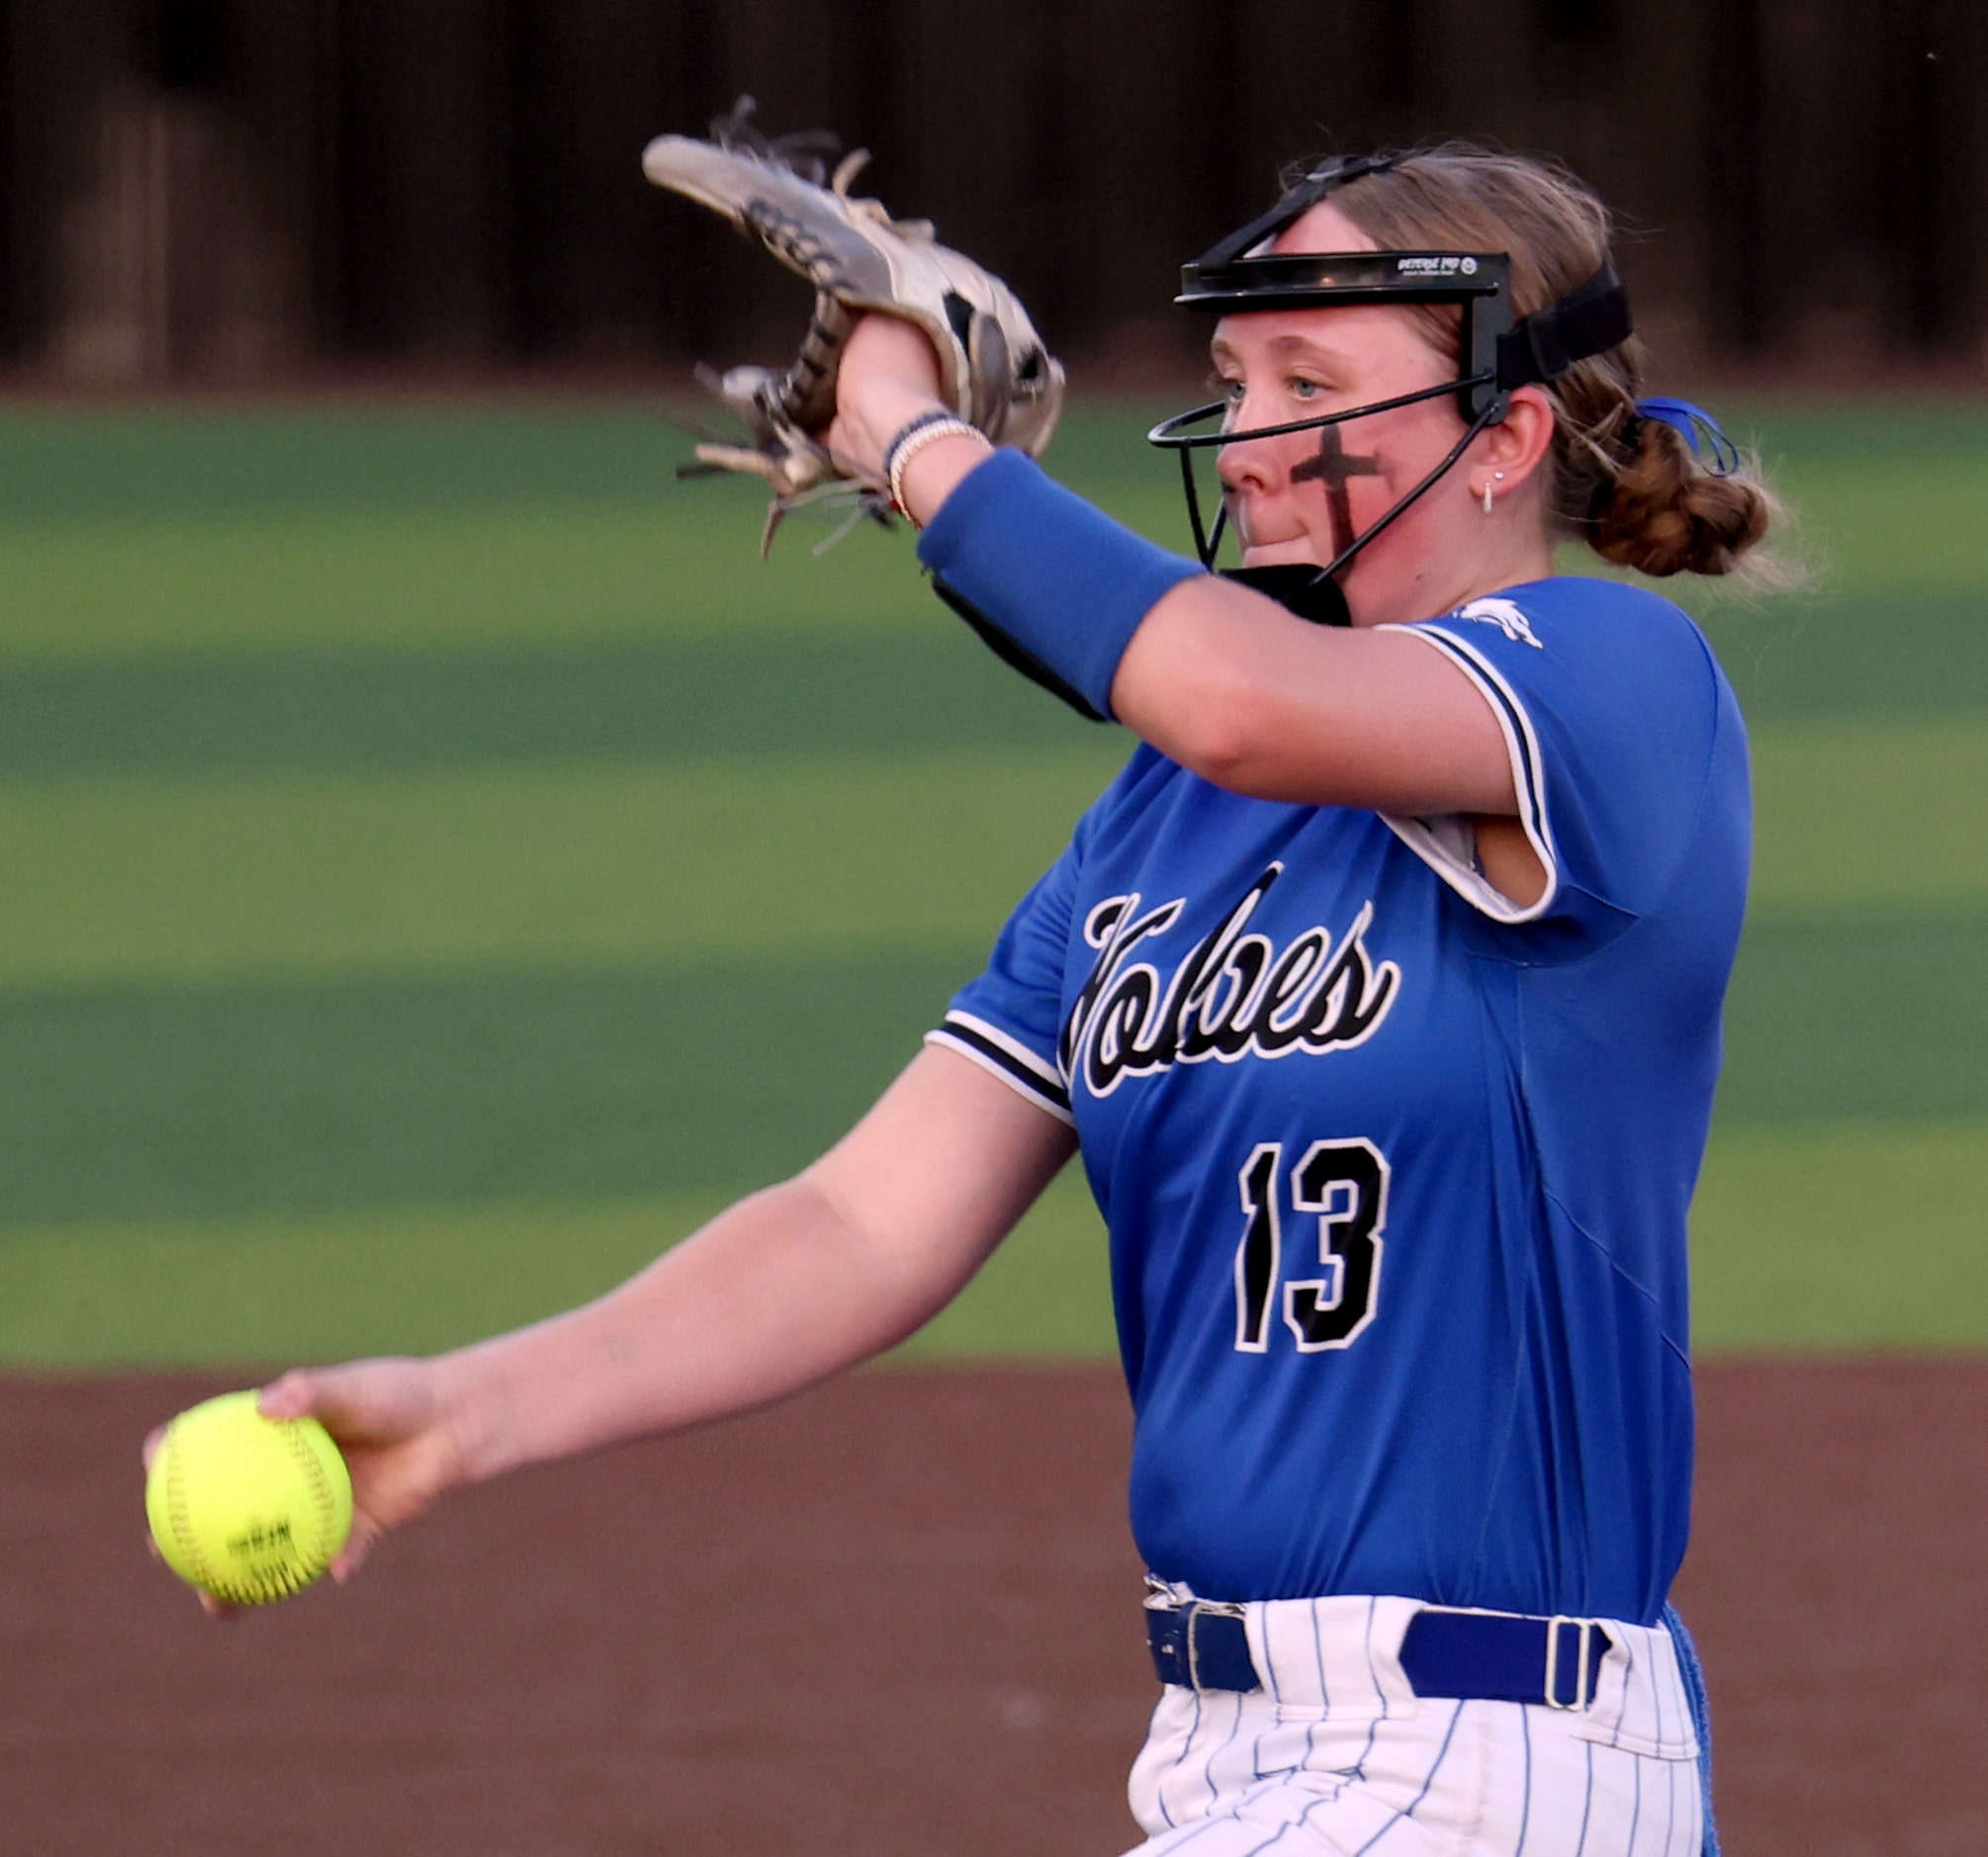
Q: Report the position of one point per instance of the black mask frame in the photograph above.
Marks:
(1496, 354)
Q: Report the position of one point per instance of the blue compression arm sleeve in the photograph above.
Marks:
(1055, 578)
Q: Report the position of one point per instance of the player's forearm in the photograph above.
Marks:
(1217, 677)
(772, 1296)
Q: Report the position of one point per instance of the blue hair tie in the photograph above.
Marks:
(1699, 429)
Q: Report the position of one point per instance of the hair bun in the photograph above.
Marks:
(1663, 513)
(1625, 484)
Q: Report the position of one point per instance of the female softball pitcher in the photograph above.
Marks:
(1380, 994)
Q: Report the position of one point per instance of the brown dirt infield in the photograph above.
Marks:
(898, 1616)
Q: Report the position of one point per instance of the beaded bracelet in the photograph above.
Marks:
(913, 439)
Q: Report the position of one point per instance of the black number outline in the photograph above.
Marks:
(1260, 1254)
(1350, 1243)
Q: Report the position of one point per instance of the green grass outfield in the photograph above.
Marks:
(443, 865)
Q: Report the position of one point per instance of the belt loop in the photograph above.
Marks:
(1584, 1629)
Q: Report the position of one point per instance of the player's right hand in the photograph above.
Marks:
(391, 1421)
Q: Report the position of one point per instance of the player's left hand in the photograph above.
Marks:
(889, 376)
(992, 368)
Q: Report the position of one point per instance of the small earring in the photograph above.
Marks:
(1499, 476)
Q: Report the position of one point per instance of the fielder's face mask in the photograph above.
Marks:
(1498, 354)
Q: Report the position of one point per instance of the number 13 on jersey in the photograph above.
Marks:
(1343, 1186)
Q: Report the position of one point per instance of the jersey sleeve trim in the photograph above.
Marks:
(1007, 1058)
(1442, 850)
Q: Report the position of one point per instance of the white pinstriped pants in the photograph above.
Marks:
(1335, 1757)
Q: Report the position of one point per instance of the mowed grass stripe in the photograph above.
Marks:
(1881, 493)
(423, 579)
(435, 582)
(1848, 1234)
(1857, 814)
(670, 699)
(424, 528)
(194, 879)
(128, 1102)
(199, 878)
(1874, 482)
(1881, 1017)
(218, 465)
(1823, 653)
(257, 536)
(263, 1293)
(1814, 1236)
(750, 693)
(203, 1102)
(193, 462)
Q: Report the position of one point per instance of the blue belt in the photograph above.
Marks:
(1471, 1656)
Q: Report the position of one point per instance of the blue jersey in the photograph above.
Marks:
(1397, 1171)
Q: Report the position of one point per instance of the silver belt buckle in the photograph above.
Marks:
(1196, 1610)
(1582, 1694)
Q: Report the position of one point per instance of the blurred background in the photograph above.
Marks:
(227, 190)
(442, 862)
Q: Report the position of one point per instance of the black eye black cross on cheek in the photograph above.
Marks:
(1333, 467)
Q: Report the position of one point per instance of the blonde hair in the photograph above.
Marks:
(1628, 486)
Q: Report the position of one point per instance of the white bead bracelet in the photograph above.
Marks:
(922, 431)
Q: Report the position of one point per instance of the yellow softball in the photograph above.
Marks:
(246, 1508)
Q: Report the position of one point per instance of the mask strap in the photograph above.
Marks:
(1586, 321)
(1322, 180)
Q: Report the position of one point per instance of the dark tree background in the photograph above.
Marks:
(233, 189)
